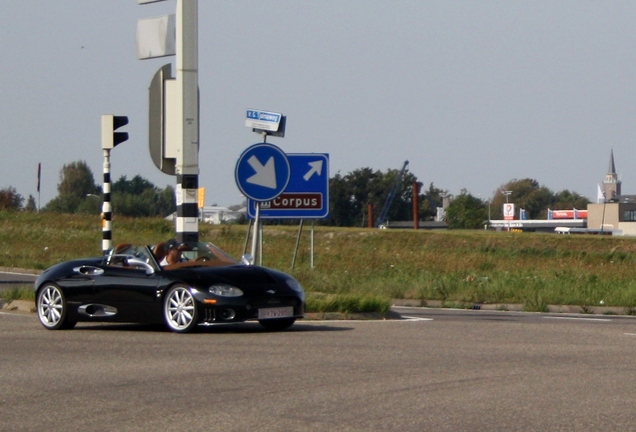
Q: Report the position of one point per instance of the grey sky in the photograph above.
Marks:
(472, 93)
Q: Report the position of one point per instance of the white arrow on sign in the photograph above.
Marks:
(265, 174)
(316, 168)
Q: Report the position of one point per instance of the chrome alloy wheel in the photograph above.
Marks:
(51, 307)
(179, 309)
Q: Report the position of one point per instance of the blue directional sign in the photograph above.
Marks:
(262, 172)
(307, 194)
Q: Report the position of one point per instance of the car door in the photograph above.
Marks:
(131, 291)
(78, 285)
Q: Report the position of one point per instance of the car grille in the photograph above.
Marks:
(208, 315)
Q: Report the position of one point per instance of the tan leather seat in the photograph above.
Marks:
(121, 248)
(160, 251)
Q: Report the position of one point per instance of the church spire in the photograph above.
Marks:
(611, 184)
(612, 167)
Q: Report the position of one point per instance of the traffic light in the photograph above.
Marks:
(110, 123)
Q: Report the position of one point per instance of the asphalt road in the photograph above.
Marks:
(446, 371)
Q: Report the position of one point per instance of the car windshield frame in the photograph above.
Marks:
(124, 254)
(202, 254)
(194, 254)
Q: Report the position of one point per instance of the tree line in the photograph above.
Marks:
(77, 192)
(351, 197)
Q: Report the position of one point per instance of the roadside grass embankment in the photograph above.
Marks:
(451, 268)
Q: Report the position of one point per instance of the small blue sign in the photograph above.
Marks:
(307, 194)
(262, 172)
(262, 120)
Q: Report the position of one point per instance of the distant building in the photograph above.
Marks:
(616, 217)
(616, 213)
(217, 215)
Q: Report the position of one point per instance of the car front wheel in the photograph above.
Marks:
(180, 310)
(277, 324)
(52, 308)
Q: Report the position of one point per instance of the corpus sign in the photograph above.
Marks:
(307, 194)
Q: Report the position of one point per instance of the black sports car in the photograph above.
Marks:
(130, 284)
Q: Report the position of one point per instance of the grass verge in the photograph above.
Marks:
(18, 293)
(347, 303)
(460, 266)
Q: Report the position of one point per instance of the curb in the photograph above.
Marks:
(358, 316)
(17, 305)
(518, 307)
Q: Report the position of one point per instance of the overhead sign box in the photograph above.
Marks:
(263, 120)
(156, 37)
(161, 141)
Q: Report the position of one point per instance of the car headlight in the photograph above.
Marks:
(294, 284)
(223, 290)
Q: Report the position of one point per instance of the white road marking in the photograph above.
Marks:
(579, 318)
(404, 319)
(410, 318)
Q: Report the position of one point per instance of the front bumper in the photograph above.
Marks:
(231, 310)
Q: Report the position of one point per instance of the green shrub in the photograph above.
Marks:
(347, 303)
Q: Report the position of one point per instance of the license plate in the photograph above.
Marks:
(275, 312)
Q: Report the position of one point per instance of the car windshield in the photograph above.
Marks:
(205, 252)
(193, 254)
(122, 254)
(190, 254)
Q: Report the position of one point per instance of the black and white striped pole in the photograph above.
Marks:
(187, 107)
(110, 139)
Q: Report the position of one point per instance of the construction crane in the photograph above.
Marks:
(389, 200)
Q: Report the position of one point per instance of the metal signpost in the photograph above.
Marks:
(262, 173)
(174, 106)
(305, 197)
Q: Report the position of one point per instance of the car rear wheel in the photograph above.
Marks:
(277, 324)
(180, 310)
(52, 308)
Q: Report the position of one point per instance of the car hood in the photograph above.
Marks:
(239, 275)
(65, 268)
